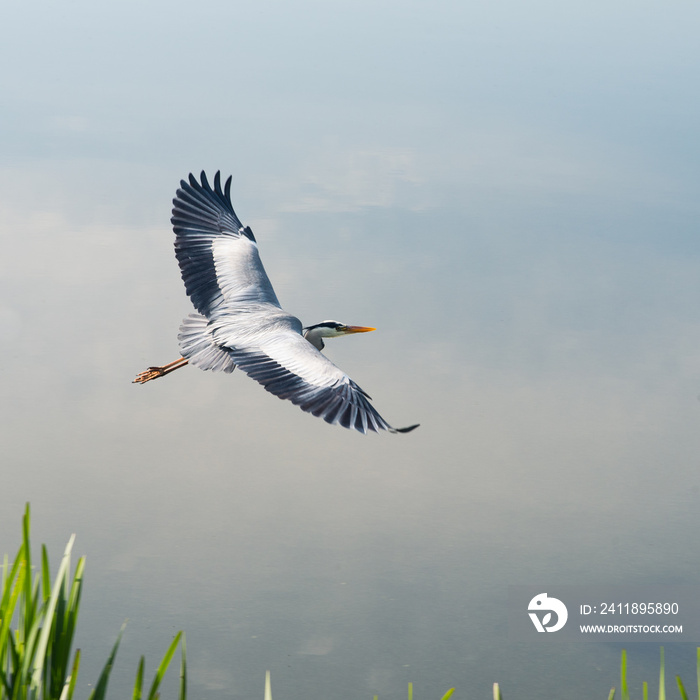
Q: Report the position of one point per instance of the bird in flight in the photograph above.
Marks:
(240, 322)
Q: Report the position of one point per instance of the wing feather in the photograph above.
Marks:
(289, 367)
(218, 256)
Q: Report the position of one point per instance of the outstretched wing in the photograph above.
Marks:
(218, 256)
(289, 367)
(228, 285)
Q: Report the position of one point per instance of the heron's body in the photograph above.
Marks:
(240, 322)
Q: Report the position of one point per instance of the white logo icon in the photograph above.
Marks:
(548, 605)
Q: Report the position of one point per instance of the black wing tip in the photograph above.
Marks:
(407, 429)
(202, 185)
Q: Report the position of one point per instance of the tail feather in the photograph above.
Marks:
(198, 347)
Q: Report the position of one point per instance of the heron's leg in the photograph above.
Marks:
(155, 372)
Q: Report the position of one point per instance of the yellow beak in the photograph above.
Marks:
(358, 329)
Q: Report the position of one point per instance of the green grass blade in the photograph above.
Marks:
(450, 693)
(497, 692)
(4, 685)
(56, 658)
(28, 612)
(681, 689)
(8, 576)
(611, 695)
(69, 686)
(65, 629)
(45, 574)
(183, 671)
(13, 587)
(26, 651)
(138, 683)
(100, 689)
(662, 678)
(76, 587)
(43, 641)
(410, 691)
(163, 667)
(645, 691)
(624, 690)
(268, 688)
(74, 675)
(15, 657)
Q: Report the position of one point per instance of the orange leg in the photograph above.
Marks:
(155, 372)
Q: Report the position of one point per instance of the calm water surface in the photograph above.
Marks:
(507, 192)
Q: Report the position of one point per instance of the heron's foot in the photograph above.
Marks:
(155, 372)
(148, 374)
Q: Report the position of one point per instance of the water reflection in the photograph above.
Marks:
(521, 232)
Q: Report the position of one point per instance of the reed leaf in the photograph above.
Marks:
(163, 667)
(69, 685)
(43, 640)
(100, 690)
(624, 690)
(662, 679)
(138, 683)
(183, 670)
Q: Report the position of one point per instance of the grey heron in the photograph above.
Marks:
(239, 320)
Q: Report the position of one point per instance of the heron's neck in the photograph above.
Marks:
(315, 337)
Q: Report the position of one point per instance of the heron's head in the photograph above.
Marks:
(331, 329)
